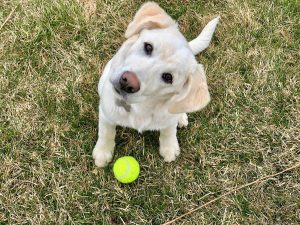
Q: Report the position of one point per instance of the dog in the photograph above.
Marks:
(152, 82)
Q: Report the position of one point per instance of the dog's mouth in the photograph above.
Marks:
(121, 94)
(117, 90)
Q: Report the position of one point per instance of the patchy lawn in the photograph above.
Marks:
(51, 55)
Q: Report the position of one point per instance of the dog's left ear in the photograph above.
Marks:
(149, 16)
(194, 95)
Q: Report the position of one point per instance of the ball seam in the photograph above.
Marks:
(127, 170)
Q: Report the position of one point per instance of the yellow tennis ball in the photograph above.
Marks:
(126, 169)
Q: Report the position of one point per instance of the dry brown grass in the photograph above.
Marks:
(51, 55)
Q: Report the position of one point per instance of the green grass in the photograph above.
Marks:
(51, 55)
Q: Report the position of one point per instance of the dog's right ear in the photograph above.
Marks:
(149, 16)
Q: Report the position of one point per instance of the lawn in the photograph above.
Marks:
(51, 56)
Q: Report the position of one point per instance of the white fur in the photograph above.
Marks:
(200, 43)
(149, 106)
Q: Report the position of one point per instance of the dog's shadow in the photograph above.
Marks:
(130, 142)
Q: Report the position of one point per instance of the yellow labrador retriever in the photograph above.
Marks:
(152, 82)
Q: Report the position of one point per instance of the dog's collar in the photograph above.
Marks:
(123, 104)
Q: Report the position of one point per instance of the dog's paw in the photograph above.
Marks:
(183, 121)
(102, 155)
(169, 153)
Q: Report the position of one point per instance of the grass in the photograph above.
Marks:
(51, 55)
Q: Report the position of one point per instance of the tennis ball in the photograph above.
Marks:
(126, 169)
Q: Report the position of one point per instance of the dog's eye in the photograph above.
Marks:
(167, 77)
(148, 48)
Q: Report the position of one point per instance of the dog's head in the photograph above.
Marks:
(156, 63)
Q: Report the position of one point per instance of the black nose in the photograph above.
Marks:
(129, 82)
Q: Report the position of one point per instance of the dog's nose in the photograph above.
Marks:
(129, 82)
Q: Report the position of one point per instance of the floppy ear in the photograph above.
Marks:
(194, 95)
(149, 16)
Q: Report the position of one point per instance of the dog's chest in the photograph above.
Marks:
(152, 120)
(148, 120)
(140, 118)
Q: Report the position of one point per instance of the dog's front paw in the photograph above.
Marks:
(183, 121)
(169, 153)
(102, 155)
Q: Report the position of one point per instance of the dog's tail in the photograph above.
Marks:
(202, 41)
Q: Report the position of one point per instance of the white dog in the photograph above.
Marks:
(152, 82)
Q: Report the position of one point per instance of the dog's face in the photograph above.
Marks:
(153, 65)
(156, 63)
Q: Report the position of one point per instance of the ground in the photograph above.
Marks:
(51, 55)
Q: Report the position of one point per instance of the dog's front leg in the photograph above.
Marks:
(168, 144)
(105, 145)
